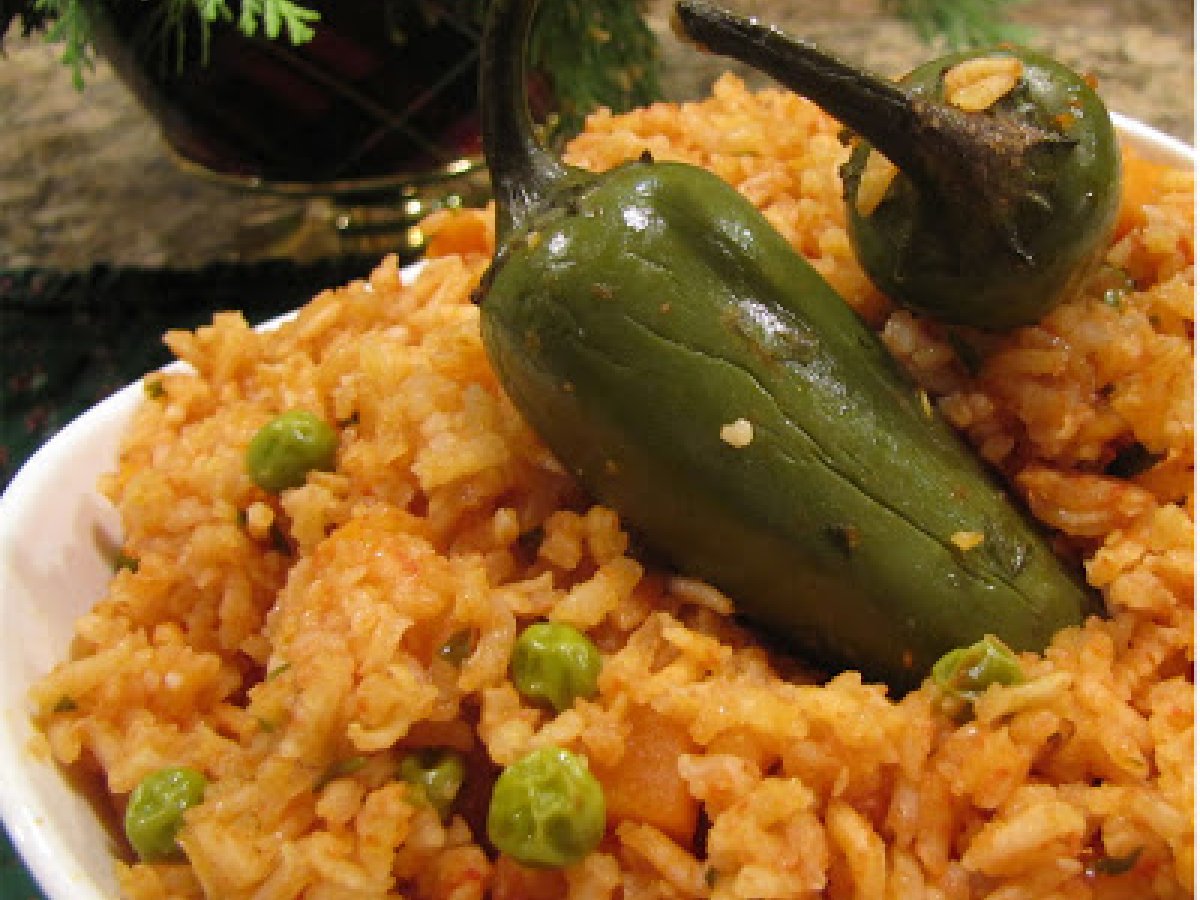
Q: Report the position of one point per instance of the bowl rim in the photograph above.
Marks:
(27, 809)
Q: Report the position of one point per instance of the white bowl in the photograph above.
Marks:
(54, 531)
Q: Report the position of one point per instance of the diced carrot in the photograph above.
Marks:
(1140, 182)
(645, 786)
(513, 881)
(458, 232)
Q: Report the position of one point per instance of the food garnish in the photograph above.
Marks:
(983, 187)
(707, 317)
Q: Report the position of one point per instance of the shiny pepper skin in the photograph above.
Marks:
(699, 376)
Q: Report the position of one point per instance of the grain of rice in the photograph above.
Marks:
(967, 540)
(739, 433)
(977, 84)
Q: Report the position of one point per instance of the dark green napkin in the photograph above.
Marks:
(72, 338)
(15, 883)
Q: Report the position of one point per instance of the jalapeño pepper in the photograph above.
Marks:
(1008, 176)
(701, 378)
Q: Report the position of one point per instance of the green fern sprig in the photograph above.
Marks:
(275, 16)
(71, 27)
(962, 24)
(70, 24)
(599, 53)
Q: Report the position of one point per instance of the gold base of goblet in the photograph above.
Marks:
(373, 216)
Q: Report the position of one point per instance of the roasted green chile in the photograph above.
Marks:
(996, 215)
(701, 378)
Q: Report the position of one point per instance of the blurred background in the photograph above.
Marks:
(86, 177)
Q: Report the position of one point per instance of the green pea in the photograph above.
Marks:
(1114, 865)
(547, 809)
(555, 662)
(436, 774)
(288, 447)
(965, 673)
(456, 648)
(155, 811)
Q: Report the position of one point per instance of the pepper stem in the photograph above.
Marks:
(865, 103)
(523, 171)
(966, 166)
